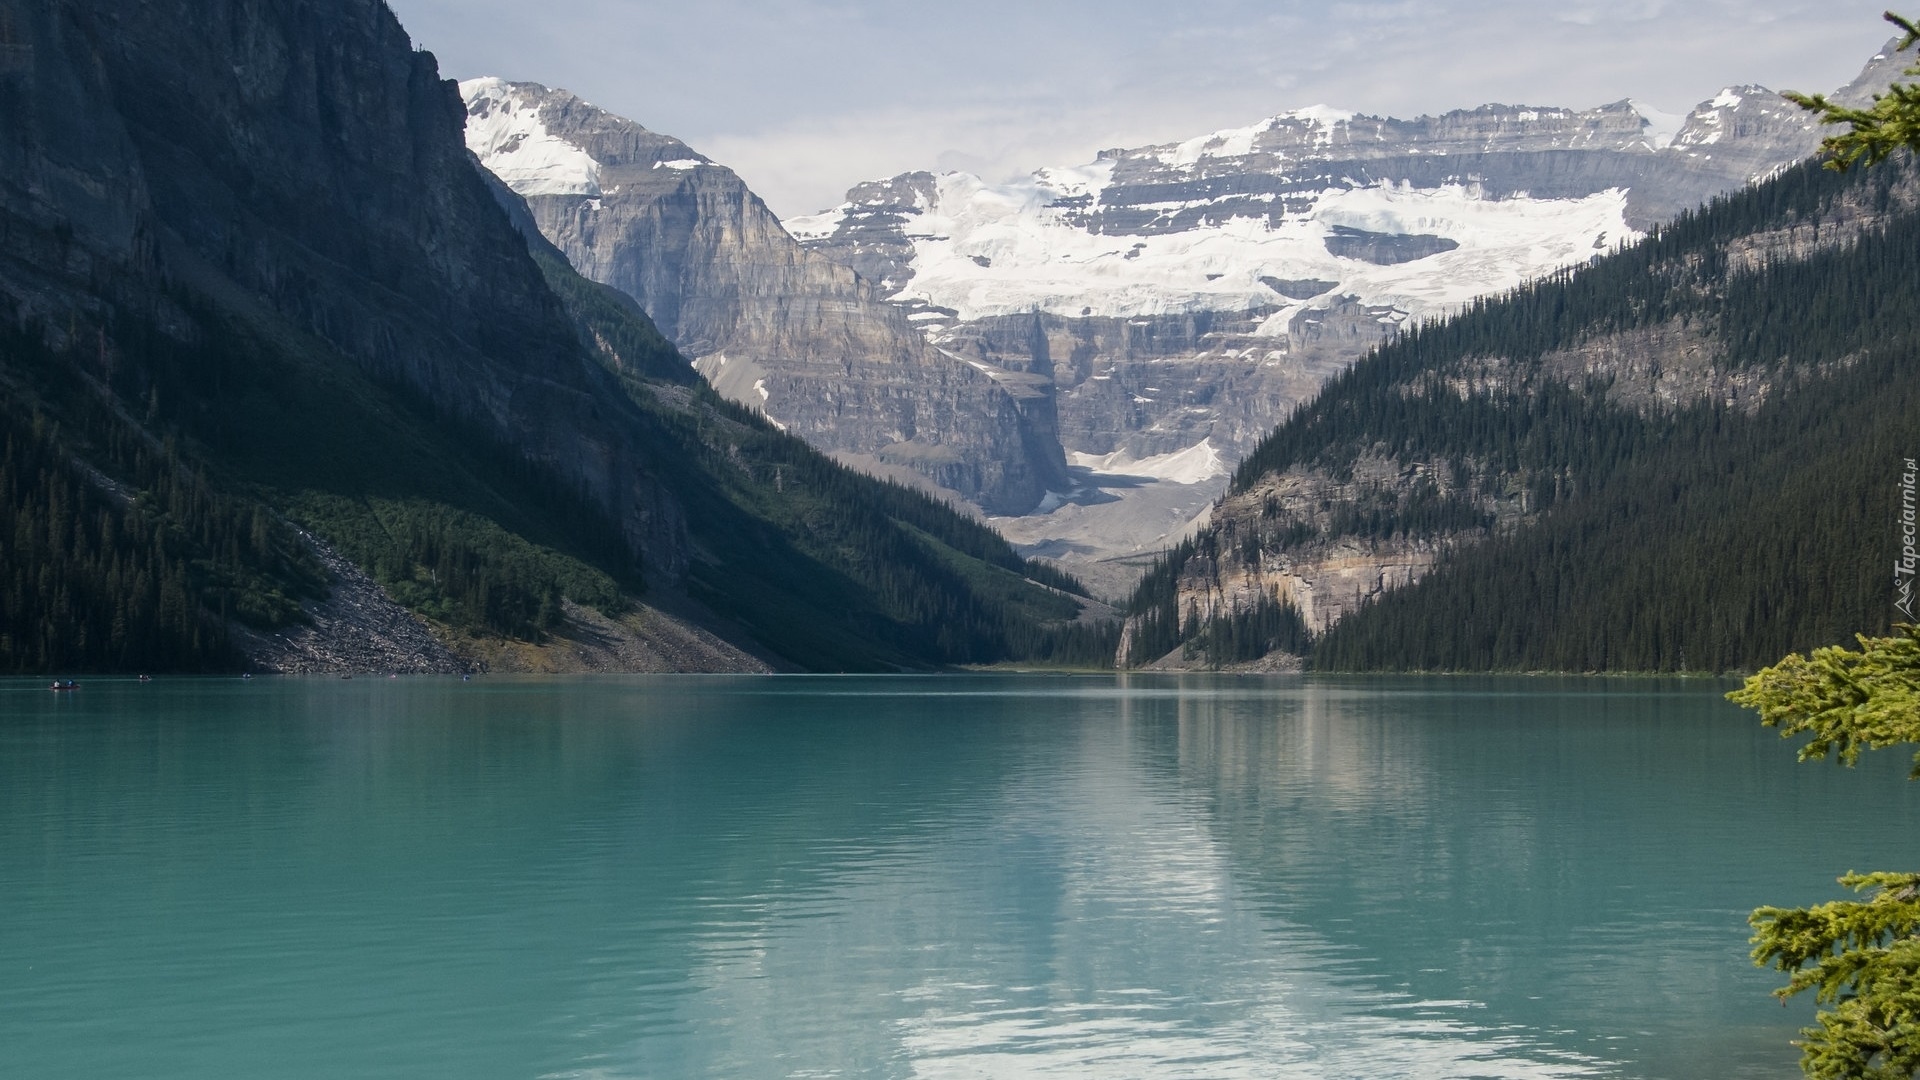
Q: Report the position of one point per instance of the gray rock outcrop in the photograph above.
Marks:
(775, 327)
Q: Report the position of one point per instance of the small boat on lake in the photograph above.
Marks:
(68, 684)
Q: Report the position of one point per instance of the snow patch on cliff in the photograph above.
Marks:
(1242, 141)
(1661, 127)
(504, 131)
(1712, 121)
(818, 226)
(1232, 142)
(1197, 464)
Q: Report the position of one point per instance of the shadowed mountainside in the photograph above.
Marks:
(261, 311)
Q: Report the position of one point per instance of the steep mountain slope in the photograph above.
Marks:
(259, 311)
(1187, 296)
(1683, 457)
(779, 329)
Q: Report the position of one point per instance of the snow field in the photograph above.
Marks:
(989, 250)
(504, 131)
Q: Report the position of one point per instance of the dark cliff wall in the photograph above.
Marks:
(297, 161)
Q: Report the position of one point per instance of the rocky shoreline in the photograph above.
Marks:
(357, 629)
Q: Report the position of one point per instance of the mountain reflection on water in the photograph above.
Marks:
(919, 876)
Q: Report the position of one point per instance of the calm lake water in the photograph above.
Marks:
(977, 876)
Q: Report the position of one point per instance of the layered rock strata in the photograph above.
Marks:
(1193, 294)
(783, 330)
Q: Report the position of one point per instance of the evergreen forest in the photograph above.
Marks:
(154, 489)
(1703, 535)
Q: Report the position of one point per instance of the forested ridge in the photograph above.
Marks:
(135, 563)
(830, 567)
(1697, 535)
(152, 485)
(257, 332)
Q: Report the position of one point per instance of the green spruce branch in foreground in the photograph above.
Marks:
(1861, 958)
(1891, 123)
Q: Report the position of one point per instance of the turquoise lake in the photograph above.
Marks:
(944, 876)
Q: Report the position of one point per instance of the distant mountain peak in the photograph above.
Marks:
(789, 333)
(505, 132)
(1192, 292)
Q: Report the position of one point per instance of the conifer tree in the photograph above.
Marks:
(1860, 957)
(1889, 124)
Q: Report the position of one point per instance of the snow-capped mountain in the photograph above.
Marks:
(773, 326)
(1258, 216)
(1153, 312)
(1186, 296)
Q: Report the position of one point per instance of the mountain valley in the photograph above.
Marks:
(1680, 458)
(1084, 354)
(1187, 297)
(314, 361)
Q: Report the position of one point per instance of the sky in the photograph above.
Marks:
(805, 98)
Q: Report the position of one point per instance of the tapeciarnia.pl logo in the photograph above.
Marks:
(1903, 568)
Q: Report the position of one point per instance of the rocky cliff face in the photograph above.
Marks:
(1325, 576)
(1196, 292)
(297, 167)
(781, 329)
